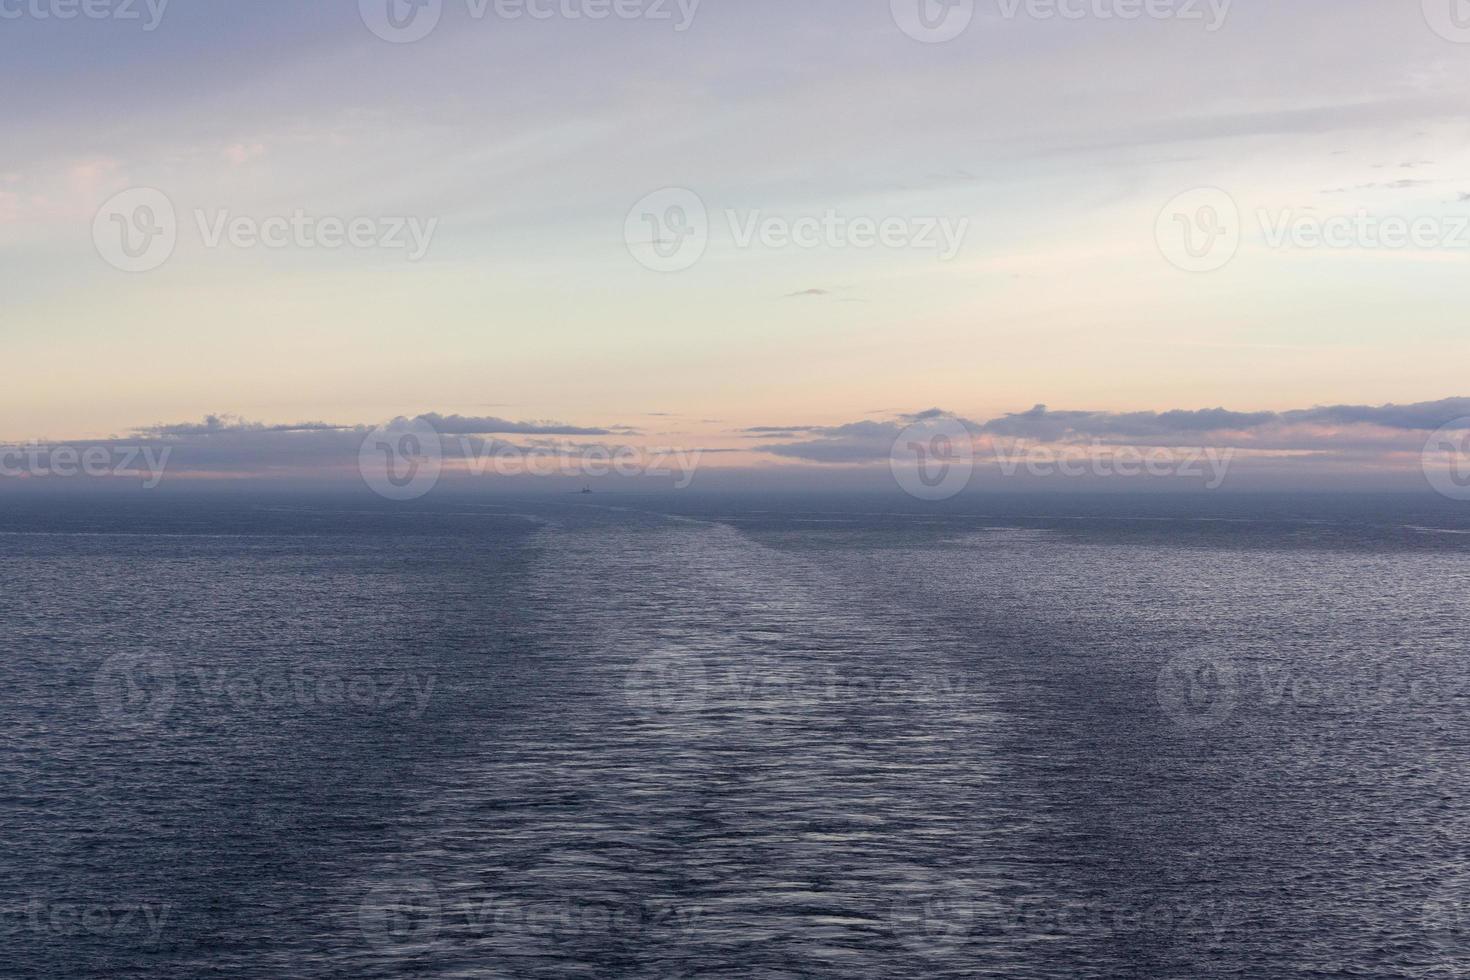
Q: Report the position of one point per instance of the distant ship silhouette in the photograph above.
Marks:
(586, 490)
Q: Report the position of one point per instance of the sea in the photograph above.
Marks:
(743, 735)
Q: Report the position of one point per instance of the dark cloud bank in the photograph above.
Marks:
(1325, 447)
(1324, 429)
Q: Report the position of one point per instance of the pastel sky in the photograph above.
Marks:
(1057, 143)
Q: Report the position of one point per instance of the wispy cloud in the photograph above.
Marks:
(219, 425)
(1390, 185)
(489, 425)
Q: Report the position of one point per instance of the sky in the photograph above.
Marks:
(757, 229)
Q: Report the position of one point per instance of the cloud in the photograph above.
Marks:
(858, 442)
(489, 425)
(848, 429)
(855, 442)
(228, 424)
(234, 426)
(809, 292)
(1418, 417)
(1322, 429)
(1321, 440)
(240, 154)
(1392, 185)
(1042, 424)
(1045, 425)
(225, 445)
(771, 430)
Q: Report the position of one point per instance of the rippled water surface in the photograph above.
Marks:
(695, 737)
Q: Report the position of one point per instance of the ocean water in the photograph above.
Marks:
(695, 736)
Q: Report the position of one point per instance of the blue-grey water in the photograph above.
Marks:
(695, 736)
